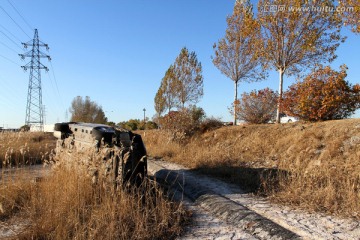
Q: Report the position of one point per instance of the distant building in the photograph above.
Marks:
(9, 129)
(47, 128)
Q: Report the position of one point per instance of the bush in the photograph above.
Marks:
(183, 123)
(210, 124)
(256, 106)
(136, 124)
(151, 125)
(322, 95)
(132, 124)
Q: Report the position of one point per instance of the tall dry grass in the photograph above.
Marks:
(66, 204)
(25, 148)
(312, 165)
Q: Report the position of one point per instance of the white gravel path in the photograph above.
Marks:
(307, 225)
(206, 226)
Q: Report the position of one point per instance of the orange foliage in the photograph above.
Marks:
(350, 12)
(322, 95)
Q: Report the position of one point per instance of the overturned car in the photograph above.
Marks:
(108, 153)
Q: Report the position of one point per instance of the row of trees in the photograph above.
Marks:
(85, 110)
(323, 95)
(284, 40)
(287, 41)
(137, 124)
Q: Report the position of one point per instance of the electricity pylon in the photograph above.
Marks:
(34, 106)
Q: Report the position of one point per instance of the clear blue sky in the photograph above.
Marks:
(117, 51)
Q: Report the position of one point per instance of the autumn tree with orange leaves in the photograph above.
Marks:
(297, 34)
(236, 55)
(322, 95)
(350, 12)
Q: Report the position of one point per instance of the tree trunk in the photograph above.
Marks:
(235, 98)
(281, 74)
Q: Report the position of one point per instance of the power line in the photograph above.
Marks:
(53, 72)
(14, 21)
(8, 47)
(31, 28)
(12, 40)
(9, 93)
(55, 94)
(9, 60)
(10, 33)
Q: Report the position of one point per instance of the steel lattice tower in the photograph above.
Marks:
(34, 107)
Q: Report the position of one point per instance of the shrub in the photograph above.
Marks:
(322, 95)
(183, 123)
(210, 124)
(132, 124)
(256, 106)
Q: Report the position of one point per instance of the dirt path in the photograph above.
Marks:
(206, 226)
(302, 224)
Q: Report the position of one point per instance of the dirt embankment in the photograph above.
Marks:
(312, 165)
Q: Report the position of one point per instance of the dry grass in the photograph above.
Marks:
(25, 148)
(67, 205)
(312, 165)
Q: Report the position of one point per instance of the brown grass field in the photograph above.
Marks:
(25, 148)
(312, 165)
(65, 204)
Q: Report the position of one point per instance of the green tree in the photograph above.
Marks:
(85, 110)
(236, 55)
(295, 39)
(188, 81)
(323, 95)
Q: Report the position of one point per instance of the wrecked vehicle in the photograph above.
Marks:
(109, 153)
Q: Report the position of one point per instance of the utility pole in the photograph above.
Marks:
(144, 115)
(34, 106)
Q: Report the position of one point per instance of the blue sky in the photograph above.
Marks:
(117, 51)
